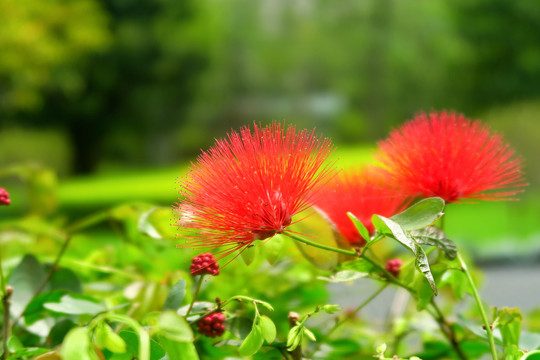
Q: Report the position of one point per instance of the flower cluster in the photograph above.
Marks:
(204, 264)
(212, 325)
(393, 266)
(362, 192)
(250, 185)
(449, 156)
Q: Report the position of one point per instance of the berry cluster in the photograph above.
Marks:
(393, 266)
(204, 264)
(212, 325)
(4, 197)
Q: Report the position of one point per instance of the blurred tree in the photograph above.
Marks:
(44, 46)
(503, 58)
(135, 91)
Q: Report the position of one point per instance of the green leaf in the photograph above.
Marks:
(359, 226)
(174, 327)
(25, 279)
(319, 230)
(65, 279)
(175, 296)
(132, 343)
(248, 254)
(331, 309)
(273, 248)
(59, 331)
(240, 326)
(266, 305)
(156, 223)
(394, 230)
(359, 265)
(422, 214)
(106, 338)
(75, 306)
(457, 280)
(509, 323)
(309, 334)
(268, 328)
(35, 310)
(391, 228)
(77, 345)
(433, 236)
(253, 342)
(344, 276)
(178, 350)
(294, 338)
(27, 353)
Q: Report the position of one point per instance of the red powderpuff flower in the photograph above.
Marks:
(362, 192)
(449, 156)
(4, 197)
(250, 185)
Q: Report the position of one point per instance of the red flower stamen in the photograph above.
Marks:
(449, 156)
(250, 185)
(362, 192)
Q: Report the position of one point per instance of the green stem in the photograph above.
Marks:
(197, 289)
(480, 307)
(447, 329)
(6, 302)
(379, 268)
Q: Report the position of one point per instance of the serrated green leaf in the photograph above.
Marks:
(174, 327)
(273, 248)
(359, 226)
(422, 214)
(248, 254)
(433, 236)
(268, 328)
(175, 296)
(253, 342)
(75, 306)
(344, 276)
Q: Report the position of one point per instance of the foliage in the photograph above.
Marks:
(117, 291)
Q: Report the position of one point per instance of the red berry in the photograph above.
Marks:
(4, 197)
(212, 325)
(394, 266)
(204, 264)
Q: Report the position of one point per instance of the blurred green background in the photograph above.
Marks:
(116, 97)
